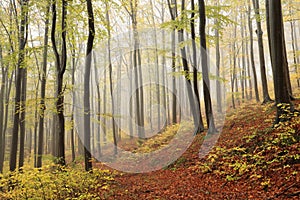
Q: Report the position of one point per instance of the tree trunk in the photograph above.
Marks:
(43, 92)
(157, 74)
(87, 109)
(195, 68)
(110, 81)
(294, 47)
(217, 35)
(23, 119)
(205, 71)
(98, 139)
(174, 15)
(282, 97)
(2, 98)
(163, 74)
(19, 77)
(61, 62)
(192, 100)
(252, 52)
(73, 105)
(259, 33)
(244, 68)
(137, 71)
(248, 64)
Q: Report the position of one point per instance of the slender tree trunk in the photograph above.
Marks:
(87, 109)
(193, 105)
(205, 72)
(157, 74)
(233, 71)
(23, 119)
(174, 15)
(248, 61)
(252, 52)
(294, 47)
(2, 100)
(19, 77)
(73, 105)
(104, 106)
(195, 68)
(110, 81)
(217, 35)
(43, 92)
(163, 74)
(297, 57)
(259, 32)
(244, 68)
(98, 139)
(6, 109)
(130, 74)
(286, 65)
(137, 71)
(61, 62)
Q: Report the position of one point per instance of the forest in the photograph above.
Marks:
(149, 99)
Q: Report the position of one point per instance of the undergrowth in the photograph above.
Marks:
(55, 182)
(258, 155)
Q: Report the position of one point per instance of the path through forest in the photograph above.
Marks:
(188, 178)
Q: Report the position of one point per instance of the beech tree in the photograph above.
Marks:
(173, 11)
(43, 91)
(32, 76)
(61, 63)
(195, 66)
(23, 32)
(205, 72)
(87, 109)
(259, 32)
(278, 56)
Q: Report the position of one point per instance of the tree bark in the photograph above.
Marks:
(217, 35)
(195, 67)
(282, 97)
(61, 62)
(173, 11)
(205, 71)
(252, 52)
(2, 98)
(87, 76)
(18, 85)
(110, 81)
(98, 138)
(294, 47)
(259, 32)
(43, 92)
(23, 119)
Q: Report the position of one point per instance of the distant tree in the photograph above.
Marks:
(23, 118)
(2, 97)
(173, 11)
(218, 58)
(295, 48)
(110, 75)
(43, 91)
(252, 61)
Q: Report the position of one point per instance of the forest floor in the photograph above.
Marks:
(251, 160)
